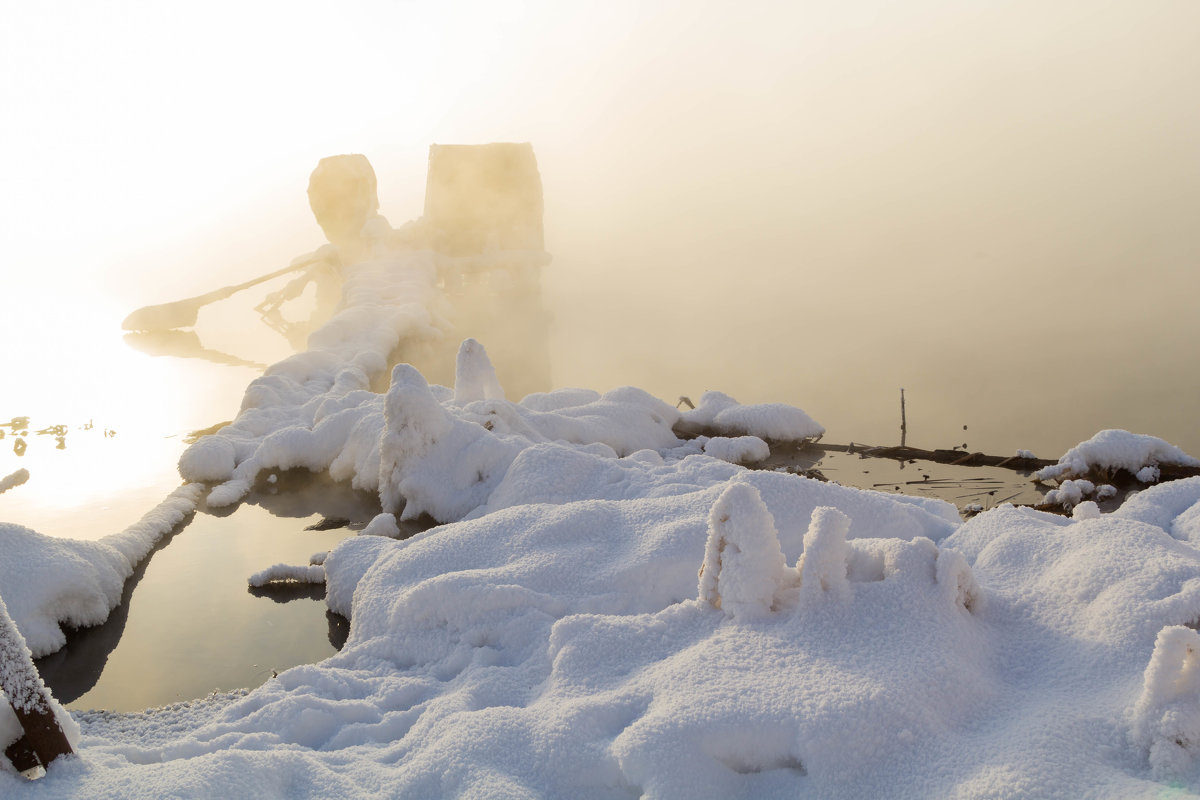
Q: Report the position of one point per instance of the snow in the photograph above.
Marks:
(288, 573)
(1117, 449)
(1166, 717)
(474, 376)
(774, 421)
(382, 525)
(1148, 474)
(314, 409)
(743, 570)
(607, 610)
(1070, 493)
(668, 624)
(737, 449)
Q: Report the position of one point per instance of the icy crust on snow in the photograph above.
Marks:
(48, 582)
(774, 421)
(1116, 449)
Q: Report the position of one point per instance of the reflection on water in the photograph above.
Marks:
(183, 344)
(192, 625)
(19, 430)
(985, 487)
(75, 669)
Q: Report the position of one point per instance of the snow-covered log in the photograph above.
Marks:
(27, 695)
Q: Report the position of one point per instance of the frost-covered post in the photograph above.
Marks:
(21, 684)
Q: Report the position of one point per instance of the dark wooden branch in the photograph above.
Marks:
(959, 458)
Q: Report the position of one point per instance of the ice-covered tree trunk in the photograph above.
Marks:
(21, 684)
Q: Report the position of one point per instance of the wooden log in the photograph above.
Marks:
(21, 684)
(21, 755)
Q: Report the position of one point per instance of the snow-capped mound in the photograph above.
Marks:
(722, 415)
(737, 449)
(1116, 449)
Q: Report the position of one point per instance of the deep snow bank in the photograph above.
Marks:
(570, 648)
(613, 612)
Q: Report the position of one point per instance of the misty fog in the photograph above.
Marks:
(990, 205)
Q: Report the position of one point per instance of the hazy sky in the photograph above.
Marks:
(992, 204)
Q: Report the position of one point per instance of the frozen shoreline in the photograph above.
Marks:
(557, 635)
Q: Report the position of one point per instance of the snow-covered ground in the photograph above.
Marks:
(608, 610)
